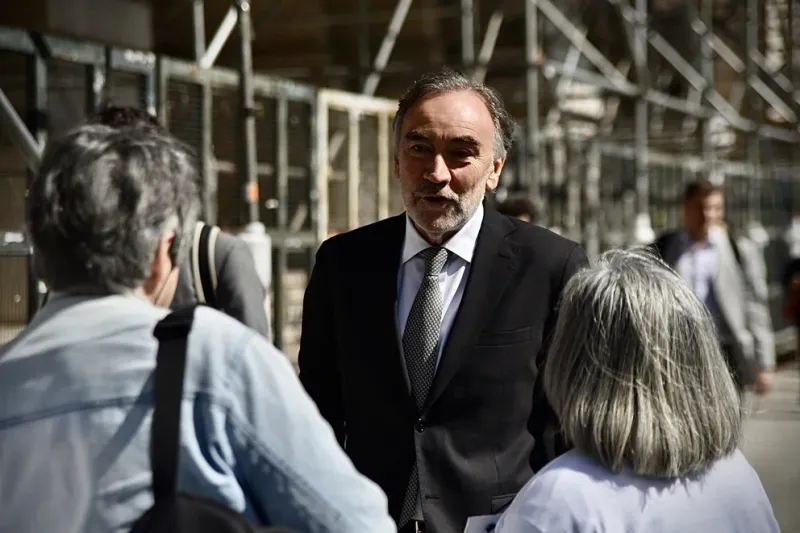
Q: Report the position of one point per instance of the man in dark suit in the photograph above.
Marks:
(423, 333)
(728, 275)
(239, 292)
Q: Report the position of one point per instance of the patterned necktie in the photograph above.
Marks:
(421, 346)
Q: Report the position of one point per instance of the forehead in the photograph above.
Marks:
(451, 115)
(712, 198)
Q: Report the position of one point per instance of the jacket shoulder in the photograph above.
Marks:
(376, 232)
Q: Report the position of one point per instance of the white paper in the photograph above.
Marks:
(481, 524)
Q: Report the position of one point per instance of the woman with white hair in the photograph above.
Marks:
(637, 378)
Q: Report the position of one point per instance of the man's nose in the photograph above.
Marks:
(438, 172)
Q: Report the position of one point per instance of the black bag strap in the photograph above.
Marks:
(205, 264)
(172, 333)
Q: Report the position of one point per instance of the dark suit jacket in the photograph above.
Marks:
(478, 437)
(240, 292)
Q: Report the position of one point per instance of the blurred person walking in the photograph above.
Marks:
(729, 276)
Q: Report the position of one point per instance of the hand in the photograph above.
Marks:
(763, 383)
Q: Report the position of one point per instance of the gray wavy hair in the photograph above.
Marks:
(100, 202)
(635, 372)
(450, 81)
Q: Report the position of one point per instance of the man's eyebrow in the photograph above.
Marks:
(415, 135)
(466, 139)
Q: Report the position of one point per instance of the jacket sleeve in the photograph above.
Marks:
(318, 358)
(240, 293)
(543, 423)
(759, 320)
(292, 469)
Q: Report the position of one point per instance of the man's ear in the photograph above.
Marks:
(494, 176)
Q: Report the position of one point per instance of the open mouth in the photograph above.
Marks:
(436, 200)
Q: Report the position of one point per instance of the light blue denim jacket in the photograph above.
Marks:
(75, 413)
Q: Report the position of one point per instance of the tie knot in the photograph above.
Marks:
(435, 258)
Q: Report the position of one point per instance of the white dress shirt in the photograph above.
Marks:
(452, 279)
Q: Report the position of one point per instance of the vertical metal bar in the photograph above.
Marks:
(756, 104)
(322, 170)
(313, 170)
(364, 52)
(591, 226)
(467, 35)
(210, 183)
(162, 89)
(395, 25)
(199, 20)
(641, 120)
(384, 155)
(353, 168)
(707, 69)
(95, 87)
(282, 181)
(248, 156)
(533, 147)
(151, 90)
(108, 67)
(37, 107)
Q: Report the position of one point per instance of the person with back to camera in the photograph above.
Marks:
(643, 392)
(110, 214)
(219, 269)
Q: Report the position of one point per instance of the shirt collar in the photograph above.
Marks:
(715, 235)
(461, 244)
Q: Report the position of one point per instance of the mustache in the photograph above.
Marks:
(434, 190)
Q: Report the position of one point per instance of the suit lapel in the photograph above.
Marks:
(383, 272)
(492, 264)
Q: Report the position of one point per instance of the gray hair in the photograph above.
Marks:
(635, 372)
(101, 201)
(449, 81)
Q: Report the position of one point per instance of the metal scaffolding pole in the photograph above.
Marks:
(467, 36)
(380, 62)
(224, 31)
(385, 51)
(641, 119)
(247, 148)
(487, 46)
(364, 53)
(707, 69)
(533, 148)
(38, 126)
(753, 137)
(199, 22)
(18, 133)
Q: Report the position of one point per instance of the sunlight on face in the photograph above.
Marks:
(445, 161)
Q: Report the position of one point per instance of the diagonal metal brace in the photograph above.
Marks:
(579, 40)
(19, 134)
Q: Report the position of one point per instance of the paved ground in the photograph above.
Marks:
(772, 444)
